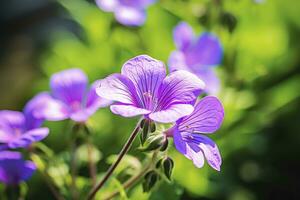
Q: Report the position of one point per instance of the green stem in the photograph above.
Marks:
(116, 163)
(74, 192)
(134, 179)
(92, 165)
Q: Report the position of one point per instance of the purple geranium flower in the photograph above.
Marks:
(197, 54)
(19, 129)
(206, 118)
(127, 12)
(70, 97)
(13, 169)
(143, 88)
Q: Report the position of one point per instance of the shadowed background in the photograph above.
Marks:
(259, 140)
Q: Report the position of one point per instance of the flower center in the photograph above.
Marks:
(76, 105)
(149, 101)
(17, 132)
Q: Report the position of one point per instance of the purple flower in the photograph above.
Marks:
(143, 88)
(13, 169)
(18, 130)
(127, 12)
(70, 97)
(197, 54)
(206, 118)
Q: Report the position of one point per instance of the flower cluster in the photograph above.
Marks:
(70, 97)
(19, 130)
(143, 88)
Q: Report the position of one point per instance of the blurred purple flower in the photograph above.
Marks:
(143, 88)
(197, 54)
(70, 97)
(127, 12)
(13, 169)
(18, 130)
(206, 118)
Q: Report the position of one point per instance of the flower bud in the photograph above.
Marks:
(158, 163)
(165, 145)
(152, 127)
(154, 142)
(149, 181)
(168, 165)
(142, 123)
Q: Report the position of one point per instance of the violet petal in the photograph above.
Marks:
(69, 86)
(130, 16)
(207, 117)
(183, 35)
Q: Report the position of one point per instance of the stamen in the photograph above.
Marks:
(76, 105)
(150, 101)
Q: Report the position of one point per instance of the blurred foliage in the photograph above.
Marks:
(260, 85)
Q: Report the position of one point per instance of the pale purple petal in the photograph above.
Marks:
(177, 88)
(93, 101)
(183, 35)
(207, 117)
(130, 16)
(12, 120)
(211, 152)
(147, 74)
(117, 87)
(196, 157)
(6, 134)
(172, 113)
(80, 115)
(107, 5)
(29, 137)
(136, 3)
(69, 86)
(212, 82)
(46, 107)
(185, 148)
(13, 169)
(206, 52)
(177, 61)
(34, 106)
(128, 110)
(143, 3)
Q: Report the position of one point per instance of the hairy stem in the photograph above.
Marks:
(116, 163)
